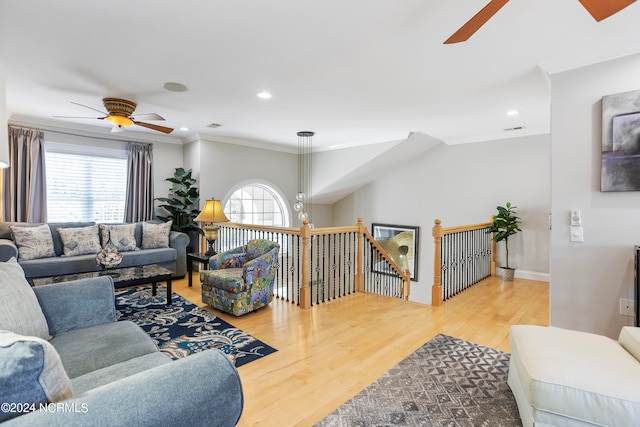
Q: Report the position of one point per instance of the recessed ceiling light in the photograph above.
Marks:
(184, 129)
(174, 87)
(264, 95)
(513, 112)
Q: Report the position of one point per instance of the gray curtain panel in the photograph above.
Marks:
(24, 181)
(139, 202)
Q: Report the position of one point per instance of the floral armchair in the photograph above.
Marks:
(241, 280)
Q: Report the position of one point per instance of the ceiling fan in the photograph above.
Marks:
(120, 114)
(599, 9)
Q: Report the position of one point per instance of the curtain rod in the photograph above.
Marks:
(82, 136)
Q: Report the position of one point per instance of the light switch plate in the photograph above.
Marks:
(577, 234)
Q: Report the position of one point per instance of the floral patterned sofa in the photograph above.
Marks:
(241, 280)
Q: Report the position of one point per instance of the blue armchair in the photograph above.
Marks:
(241, 280)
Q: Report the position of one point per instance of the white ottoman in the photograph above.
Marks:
(567, 378)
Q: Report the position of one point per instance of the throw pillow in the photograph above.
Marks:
(33, 241)
(122, 236)
(31, 372)
(20, 311)
(155, 235)
(80, 240)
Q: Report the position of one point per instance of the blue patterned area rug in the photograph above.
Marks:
(446, 382)
(183, 328)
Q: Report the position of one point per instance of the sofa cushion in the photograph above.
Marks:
(85, 350)
(155, 235)
(30, 372)
(123, 236)
(116, 372)
(80, 240)
(20, 311)
(566, 374)
(33, 241)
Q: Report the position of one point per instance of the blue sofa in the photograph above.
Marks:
(174, 257)
(113, 373)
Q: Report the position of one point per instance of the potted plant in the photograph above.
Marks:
(183, 205)
(505, 224)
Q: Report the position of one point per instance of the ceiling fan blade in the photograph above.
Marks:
(149, 116)
(474, 24)
(154, 127)
(602, 9)
(91, 108)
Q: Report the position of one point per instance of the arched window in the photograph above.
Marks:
(257, 203)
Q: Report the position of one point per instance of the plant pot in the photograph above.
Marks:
(507, 274)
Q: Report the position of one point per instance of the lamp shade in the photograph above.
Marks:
(212, 212)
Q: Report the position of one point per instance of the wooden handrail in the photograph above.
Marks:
(461, 228)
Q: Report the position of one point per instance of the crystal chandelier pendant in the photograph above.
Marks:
(304, 204)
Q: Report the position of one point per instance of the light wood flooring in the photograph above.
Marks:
(330, 352)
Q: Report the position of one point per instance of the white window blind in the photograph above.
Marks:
(85, 183)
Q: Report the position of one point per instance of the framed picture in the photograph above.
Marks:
(401, 243)
(620, 142)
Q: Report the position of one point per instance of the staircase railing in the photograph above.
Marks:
(320, 264)
(463, 256)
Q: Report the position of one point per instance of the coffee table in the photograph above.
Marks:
(122, 277)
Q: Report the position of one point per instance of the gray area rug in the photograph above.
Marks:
(446, 382)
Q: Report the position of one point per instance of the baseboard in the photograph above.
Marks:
(532, 275)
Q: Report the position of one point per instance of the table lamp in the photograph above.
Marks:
(211, 212)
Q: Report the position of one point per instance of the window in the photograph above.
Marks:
(85, 183)
(258, 204)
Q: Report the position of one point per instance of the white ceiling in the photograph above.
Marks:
(353, 71)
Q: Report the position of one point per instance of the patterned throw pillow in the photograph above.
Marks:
(122, 236)
(155, 235)
(80, 240)
(33, 369)
(33, 241)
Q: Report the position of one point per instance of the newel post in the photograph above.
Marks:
(305, 290)
(359, 278)
(436, 289)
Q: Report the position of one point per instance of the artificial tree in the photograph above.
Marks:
(183, 205)
(505, 224)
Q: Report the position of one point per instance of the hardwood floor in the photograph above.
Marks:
(330, 352)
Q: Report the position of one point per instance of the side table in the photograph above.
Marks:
(197, 257)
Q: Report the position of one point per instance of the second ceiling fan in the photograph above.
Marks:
(599, 9)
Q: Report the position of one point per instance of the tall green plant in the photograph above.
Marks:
(505, 224)
(183, 203)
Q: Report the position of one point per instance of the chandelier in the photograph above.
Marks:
(303, 197)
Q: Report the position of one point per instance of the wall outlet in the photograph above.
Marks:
(627, 307)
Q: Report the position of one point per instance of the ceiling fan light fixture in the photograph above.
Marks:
(119, 120)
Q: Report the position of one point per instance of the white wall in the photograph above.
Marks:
(462, 184)
(223, 165)
(588, 279)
